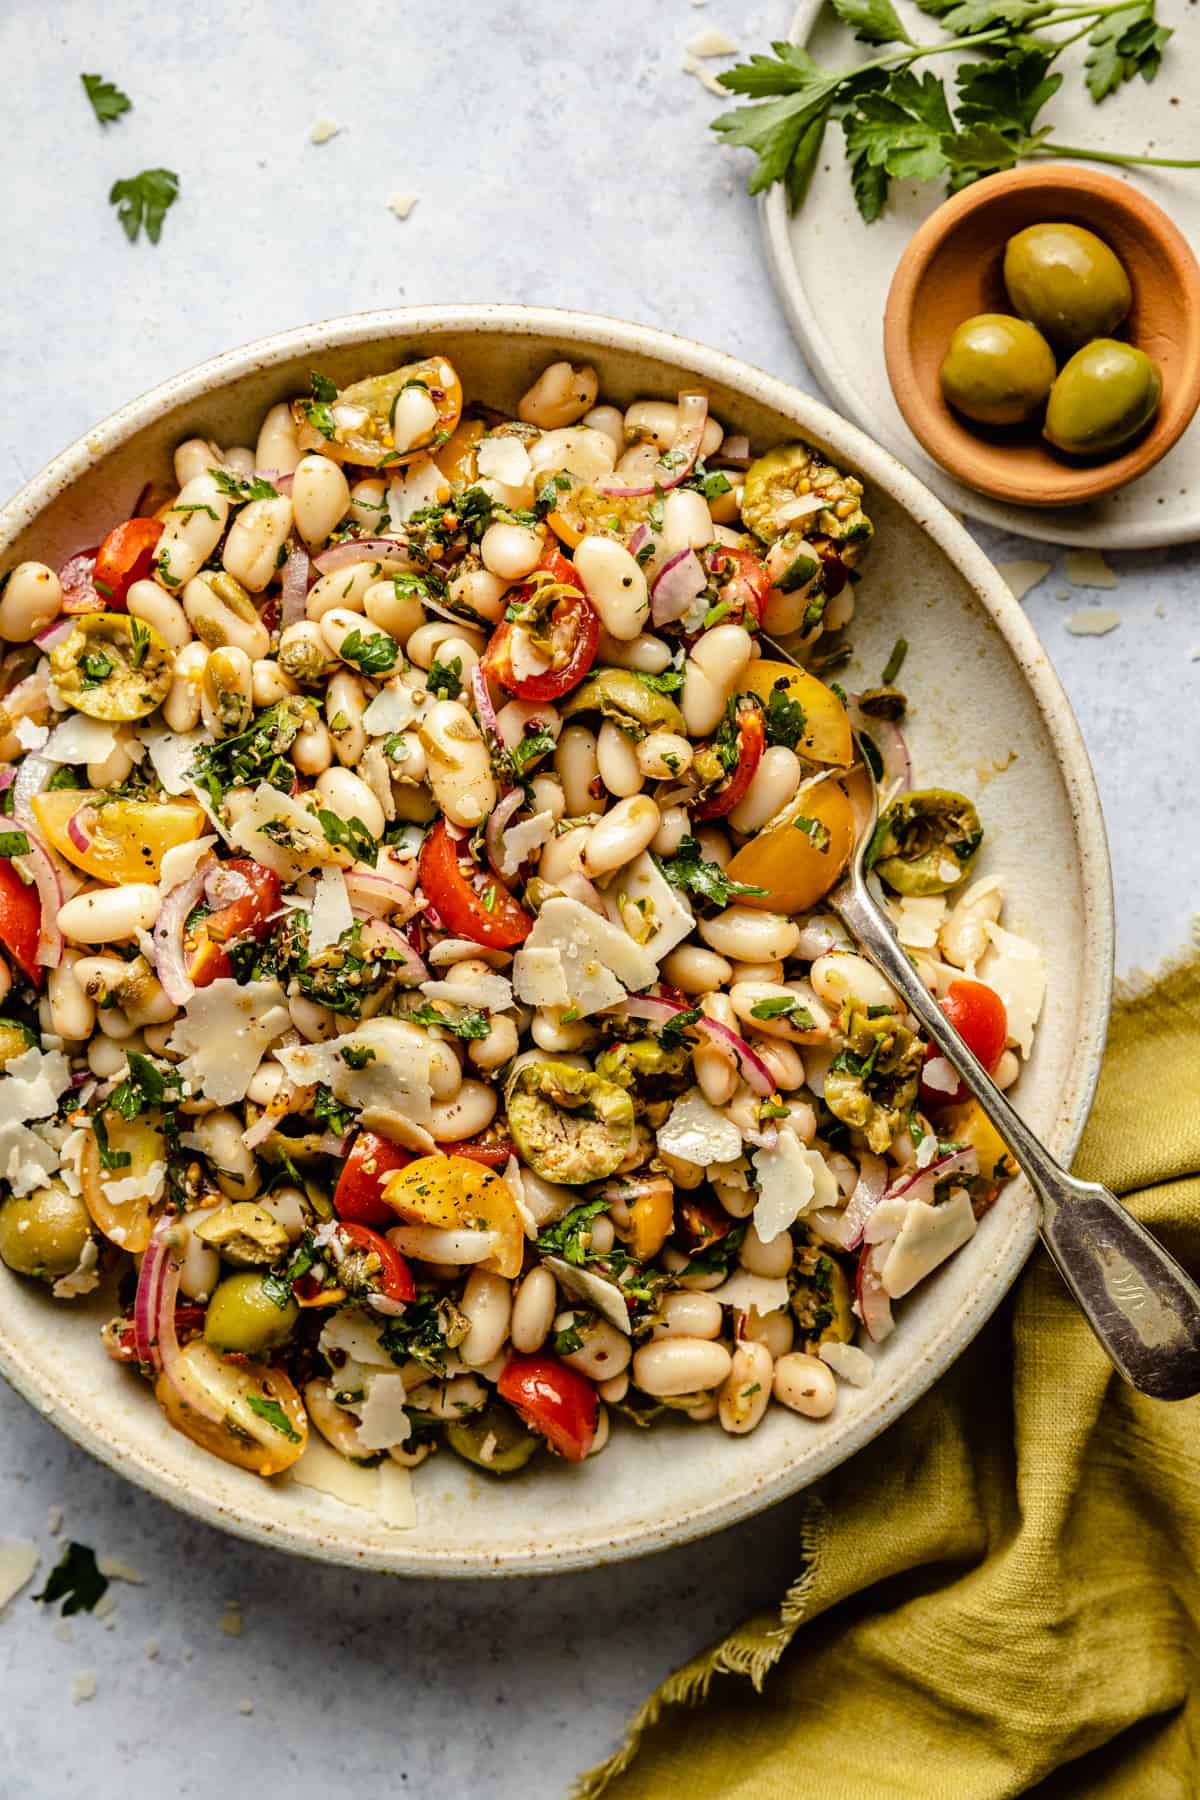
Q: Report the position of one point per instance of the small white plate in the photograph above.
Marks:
(832, 273)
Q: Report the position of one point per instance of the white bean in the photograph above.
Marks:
(675, 826)
(346, 587)
(277, 446)
(768, 996)
(687, 524)
(1007, 1069)
(303, 654)
(235, 1169)
(659, 421)
(772, 785)
(747, 936)
(312, 748)
(609, 420)
(575, 450)
(577, 766)
(783, 1062)
(688, 1315)
(414, 418)
(460, 768)
(716, 1071)
(711, 673)
(220, 618)
(671, 1366)
(257, 535)
(200, 1264)
(696, 970)
(227, 692)
(605, 1351)
(480, 591)
(771, 1257)
(29, 601)
(616, 585)
(645, 653)
(146, 600)
(314, 1022)
(623, 833)
(470, 1111)
(196, 456)
(738, 1202)
(533, 1311)
(615, 1388)
(487, 1305)
(714, 845)
(115, 766)
(663, 755)
(805, 1384)
(191, 532)
(510, 551)
(106, 1059)
(399, 614)
(439, 641)
(320, 498)
(181, 708)
(840, 975)
(345, 704)
(72, 1012)
(560, 395)
(548, 796)
(618, 761)
(746, 1389)
(500, 1044)
(550, 1031)
(776, 1330)
(335, 1424)
(963, 936)
(348, 795)
(109, 915)
(269, 682)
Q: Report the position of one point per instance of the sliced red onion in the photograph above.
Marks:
(277, 1110)
(656, 1010)
(169, 962)
(679, 583)
(75, 827)
(871, 1300)
(54, 634)
(845, 1228)
(500, 816)
(411, 969)
(890, 741)
(919, 1185)
(364, 549)
(331, 1145)
(485, 712)
(693, 416)
(169, 1351)
(294, 592)
(576, 886)
(39, 865)
(640, 538)
(146, 1300)
(7, 776)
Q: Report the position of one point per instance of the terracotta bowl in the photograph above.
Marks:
(953, 268)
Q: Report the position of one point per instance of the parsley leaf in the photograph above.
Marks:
(142, 200)
(896, 132)
(669, 682)
(349, 834)
(783, 1006)
(445, 679)
(75, 1580)
(569, 1237)
(273, 1413)
(109, 1159)
(468, 1024)
(688, 871)
(817, 834)
(784, 717)
(144, 1087)
(257, 754)
(375, 654)
(14, 843)
(785, 133)
(240, 489)
(534, 744)
(108, 102)
(873, 21)
(318, 410)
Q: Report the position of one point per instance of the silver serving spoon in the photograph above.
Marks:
(1143, 1307)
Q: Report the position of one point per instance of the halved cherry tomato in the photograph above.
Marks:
(701, 1223)
(978, 1015)
(751, 742)
(574, 629)
(358, 1195)
(247, 912)
(476, 905)
(392, 1277)
(20, 921)
(494, 1153)
(126, 555)
(556, 1400)
(75, 577)
(742, 583)
(120, 1340)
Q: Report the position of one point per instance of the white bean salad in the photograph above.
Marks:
(419, 1019)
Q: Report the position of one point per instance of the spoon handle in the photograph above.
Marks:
(1142, 1306)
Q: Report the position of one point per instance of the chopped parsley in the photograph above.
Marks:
(468, 1024)
(374, 655)
(784, 717)
(108, 102)
(95, 667)
(257, 754)
(327, 1110)
(357, 1056)
(895, 661)
(142, 201)
(570, 1236)
(75, 1580)
(14, 843)
(109, 1159)
(139, 642)
(430, 1328)
(783, 1007)
(818, 835)
(349, 834)
(273, 1413)
(318, 411)
(241, 489)
(688, 871)
(536, 743)
(444, 679)
(568, 1341)
(669, 682)
(144, 1087)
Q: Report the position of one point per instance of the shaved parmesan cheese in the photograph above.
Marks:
(84, 1277)
(306, 847)
(30, 735)
(323, 130)
(18, 1565)
(604, 1295)
(918, 919)
(322, 1469)
(516, 1187)
(663, 908)
(402, 204)
(503, 459)
(885, 1221)
(26, 1160)
(397, 1503)
(181, 861)
(394, 708)
(490, 992)
(712, 43)
(393, 1081)
(83, 1687)
(32, 1084)
(939, 1074)
(171, 754)
(146, 1186)
(787, 1184)
(745, 1292)
(382, 1419)
(927, 1237)
(81, 740)
(1093, 621)
(420, 484)
(330, 915)
(1022, 575)
(539, 977)
(1088, 569)
(698, 1133)
(223, 1035)
(599, 959)
(848, 1362)
(693, 66)
(1016, 968)
(355, 1334)
(520, 841)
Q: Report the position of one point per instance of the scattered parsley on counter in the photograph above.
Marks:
(75, 1580)
(108, 102)
(142, 200)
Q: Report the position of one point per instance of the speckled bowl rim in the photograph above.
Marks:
(681, 1521)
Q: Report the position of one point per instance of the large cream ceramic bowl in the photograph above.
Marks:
(984, 698)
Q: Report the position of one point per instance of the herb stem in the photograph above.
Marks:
(1114, 156)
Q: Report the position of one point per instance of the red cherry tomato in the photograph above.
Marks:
(573, 627)
(247, 912)
(474, 905)
(701, 1223)
(357, 1198)
(121, 1343)
(75, 577)
(978, 1015)
(126, 555)
(556, 1400)
(20, 921)
(494, 1154)
(391, 1276)
(751, 742)
(742, 583)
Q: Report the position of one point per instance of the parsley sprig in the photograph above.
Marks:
(899, 124)
(108, 102)
(688, 871)
(142, 201)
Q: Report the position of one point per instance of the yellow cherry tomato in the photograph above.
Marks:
(453, 1193)
(651, 1217)
(262, 1424)
(456, 458)
(969, 1124)
(126, 1222)
(826, 737)
(800, 857)
(126, 839)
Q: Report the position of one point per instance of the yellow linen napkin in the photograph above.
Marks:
(1000, 1595)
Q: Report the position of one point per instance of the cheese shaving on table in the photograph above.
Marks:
(322, 130)
(692, 66)
(696, 1132)
(848, 1362)
(18, 1566)
(1093, 621)
(1022, 575)
(402, 204)
(223, 1034)
(1088, 569)
(330, 915)
(1016, 968)
(712, 42)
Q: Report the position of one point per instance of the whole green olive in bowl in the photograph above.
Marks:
(998, 370)
(1102, 398)
(1067, 282)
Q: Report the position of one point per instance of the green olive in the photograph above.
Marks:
(617, 694)
(779, 494)
(1067, 282)
(113, 667)
(1104, 396)
(568, 1124)
(44, 1233)
(494, 1439)
(998, 370)
(820, 1299)
(926, 841)
(244, 1317)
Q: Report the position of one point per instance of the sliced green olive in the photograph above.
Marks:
(43, 1234)
(617, 694)
(780, 494)
(495, 1440)
(244, 1316)
(820, 1299)
(873, 1080)
(926, 841)
(244, 1233)
(1106, 394)
(569, 1125)
(112, 666)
